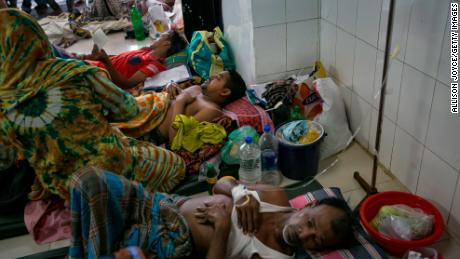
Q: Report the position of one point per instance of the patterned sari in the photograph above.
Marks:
(55, 112)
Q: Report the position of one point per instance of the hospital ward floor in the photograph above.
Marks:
(355, 158)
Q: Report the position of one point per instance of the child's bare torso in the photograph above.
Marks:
(198, 104)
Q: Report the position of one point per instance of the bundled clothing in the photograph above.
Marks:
(280, 91)
(110, 212)
(191, 134)
(54, 113)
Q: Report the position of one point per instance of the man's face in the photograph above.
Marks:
(216, 85)
(311, 228)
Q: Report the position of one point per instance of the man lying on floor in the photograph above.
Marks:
(109, 212)
(203, 103)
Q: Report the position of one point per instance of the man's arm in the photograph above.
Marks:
(218, 244)
(268, 193)
(247, 207)
(220, 220)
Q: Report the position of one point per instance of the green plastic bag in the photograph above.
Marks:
(203, 59)
(229, 152)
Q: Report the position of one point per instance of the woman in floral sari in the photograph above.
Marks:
(55, 113)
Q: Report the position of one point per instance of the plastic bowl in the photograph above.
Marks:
(371, 206)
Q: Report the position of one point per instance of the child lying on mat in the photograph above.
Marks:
(131, 68)
(159, 110)
(236, 222)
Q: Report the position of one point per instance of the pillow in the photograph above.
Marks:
(365, 247)
(246, 114)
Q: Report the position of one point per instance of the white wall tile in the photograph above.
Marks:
(360, 119)
(302, 44)
(406, 159)
(454, 219)
(346, 96)
(344, 57)
(437, 182)
(386, 139)
(346, 15)
(444, 130)
(444, 63)
(415, 102)
(239, 34)
(270, 49)
(297, 10)
(328, 40)
(364, 70)
(426, 31)
(329, 10)
(268, 12)
(400, 25)
(393, 85)
(367, 25)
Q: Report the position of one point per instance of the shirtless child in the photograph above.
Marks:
(203, 102)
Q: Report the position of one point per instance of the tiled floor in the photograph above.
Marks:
(340, 175)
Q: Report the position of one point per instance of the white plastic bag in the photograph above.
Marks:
(333, 118)
(158, 20)
(403, 222)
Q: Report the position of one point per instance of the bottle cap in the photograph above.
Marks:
(248, 140)
(267, 128)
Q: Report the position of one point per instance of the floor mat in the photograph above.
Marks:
(191, 186)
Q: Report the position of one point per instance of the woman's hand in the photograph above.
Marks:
(247, 209)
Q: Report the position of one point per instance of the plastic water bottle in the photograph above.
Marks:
(138, 27)
(269, 157)
(249, 171)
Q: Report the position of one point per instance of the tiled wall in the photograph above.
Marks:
(421, 138)
(285, 36)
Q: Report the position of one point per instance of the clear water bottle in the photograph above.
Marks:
(249, 154)
(269, 157)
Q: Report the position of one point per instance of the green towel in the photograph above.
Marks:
(191, 134)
